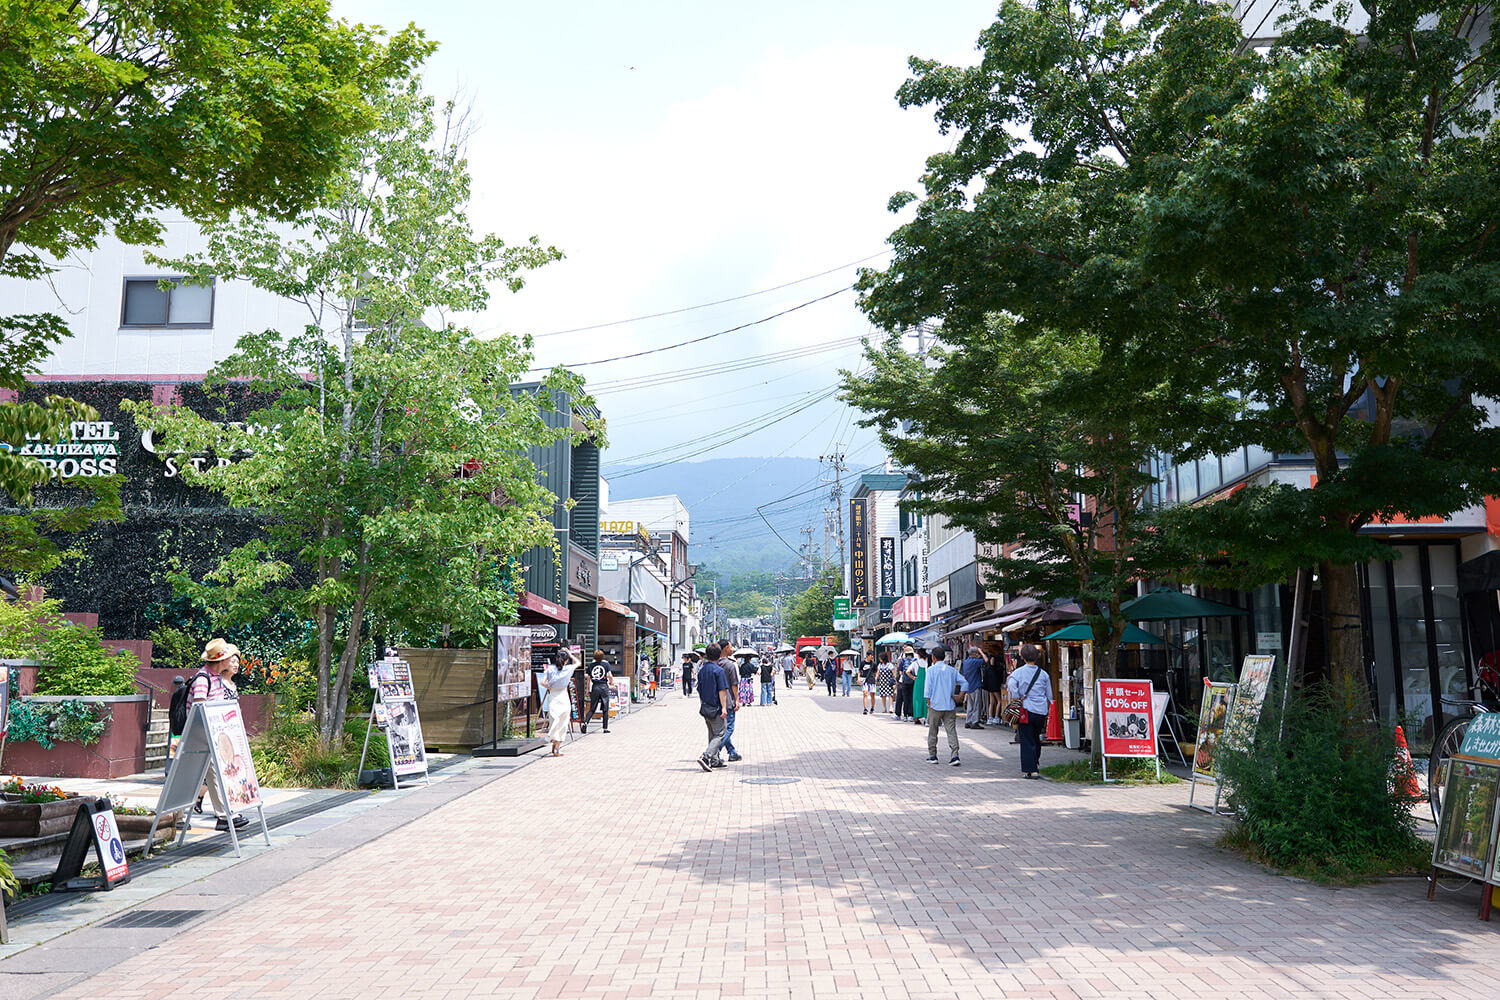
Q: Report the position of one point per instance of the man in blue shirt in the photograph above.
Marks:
(942, 681)
(732, 678)
(973, 670)
(713, 704)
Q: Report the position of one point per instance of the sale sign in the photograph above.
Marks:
(1126, 718)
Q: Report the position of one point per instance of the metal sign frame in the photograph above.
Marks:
(195, 755)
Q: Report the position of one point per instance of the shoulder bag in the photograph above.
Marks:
(1014, 714)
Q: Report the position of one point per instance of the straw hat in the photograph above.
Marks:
(218, 651)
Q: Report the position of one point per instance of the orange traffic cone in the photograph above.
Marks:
(1406, 772)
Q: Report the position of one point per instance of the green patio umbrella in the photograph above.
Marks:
(1081, 632)
(1166, 604)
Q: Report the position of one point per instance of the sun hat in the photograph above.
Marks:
(219, 650)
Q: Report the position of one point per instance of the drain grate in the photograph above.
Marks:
(154, 918)
(770, 781)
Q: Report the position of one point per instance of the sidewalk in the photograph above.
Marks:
(833, 862)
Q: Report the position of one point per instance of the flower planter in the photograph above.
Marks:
(136, 827)
(37, 819)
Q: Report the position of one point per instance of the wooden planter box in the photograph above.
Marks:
(37, 819)
(136, 827)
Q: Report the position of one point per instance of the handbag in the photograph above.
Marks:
(1015, 715)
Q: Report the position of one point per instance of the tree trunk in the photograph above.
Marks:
(1341, 609)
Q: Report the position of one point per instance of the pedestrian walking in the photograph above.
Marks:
(747, 671)
(830, 674)
(809, 668)
(788, 667)
(885, 681)
(906, 680)
(868, 671)
(731, 681)
(214, 681)
(713, 705)
(601, 685)
(944, 688)
(846, 671)
(919, 689)
(1030, 684)
(767, 681)
(994, 684)
(555, 702)
(973, 671)
(689, 668)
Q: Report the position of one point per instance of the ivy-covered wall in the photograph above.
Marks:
(122, 575)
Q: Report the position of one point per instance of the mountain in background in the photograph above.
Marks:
(721, 496)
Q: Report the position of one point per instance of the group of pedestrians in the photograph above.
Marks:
(716, 682)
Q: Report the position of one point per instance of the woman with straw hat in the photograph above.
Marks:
(214, 681)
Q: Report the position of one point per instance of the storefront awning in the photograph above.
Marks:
(912, 609)
(605, 604)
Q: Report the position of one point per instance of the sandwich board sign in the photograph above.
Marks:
(395, 711)
(1127, 721)
(1213, 715)
(94, 828)
(213, 740)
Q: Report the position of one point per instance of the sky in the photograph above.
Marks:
(680, 154)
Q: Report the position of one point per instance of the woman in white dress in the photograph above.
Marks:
(555, 700)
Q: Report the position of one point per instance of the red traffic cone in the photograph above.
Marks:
(1406, 772)
(1054, 723)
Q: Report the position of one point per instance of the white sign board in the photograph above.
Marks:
(213, 739)
(232, 762)
(111, 847)
(403, 725)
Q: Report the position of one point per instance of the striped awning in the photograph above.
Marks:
(911, 609)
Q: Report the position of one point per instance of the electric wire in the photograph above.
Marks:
(656, 379)
(718, 302)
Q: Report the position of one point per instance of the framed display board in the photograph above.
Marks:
(1127, 721)
(395, 711)
(1249, 700)
(512, 662)
(1466, 829)
(1213, 715)
(213, 738)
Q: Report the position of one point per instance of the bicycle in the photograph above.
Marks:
(1445, 745)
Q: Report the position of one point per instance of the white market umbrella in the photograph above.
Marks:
(849, 652)
(892, 638)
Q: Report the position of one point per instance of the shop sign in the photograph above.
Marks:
(1269, 642)
(1249, 700)
(888, 566)
(1482, 738)
(1212, 716)
(583, 571)
(841, 606)
(845, 624)
(1127, 718)
(91, 448)
(608, 564)
(174, 462)
(543, 633)
(859, 554)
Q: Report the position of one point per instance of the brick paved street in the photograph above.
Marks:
(621, 870)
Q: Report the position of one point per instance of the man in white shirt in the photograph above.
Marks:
(789, 667)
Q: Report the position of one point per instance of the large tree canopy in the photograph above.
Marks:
(1305, 230)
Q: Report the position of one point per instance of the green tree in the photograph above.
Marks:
(1305, 232)
(1008, 435)
(391, 454)
(112, 110)
(811, 612)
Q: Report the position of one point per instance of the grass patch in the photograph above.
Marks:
(1333, 867)
(1129, 771)
(288, 755)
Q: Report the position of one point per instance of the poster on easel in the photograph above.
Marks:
(620, 701)
(1213, 715)
(1466, 829)
(403, 724)
(212, 740)
(1249, 701)
(513, 661)
(1127, 725)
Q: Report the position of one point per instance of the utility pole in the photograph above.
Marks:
(836, 460)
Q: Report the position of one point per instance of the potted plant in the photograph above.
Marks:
(137, 820)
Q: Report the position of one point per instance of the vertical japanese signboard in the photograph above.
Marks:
(887, 566)
(859, 553)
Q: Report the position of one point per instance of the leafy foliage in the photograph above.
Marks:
(292, 754)
(49, 722)
(1320, 800)
(811, 612)
(77, 662)
(387, 453)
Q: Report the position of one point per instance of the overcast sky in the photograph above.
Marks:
(682, 153)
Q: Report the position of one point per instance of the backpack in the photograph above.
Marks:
(178, 713)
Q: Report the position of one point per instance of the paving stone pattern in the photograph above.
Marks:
(622, 870)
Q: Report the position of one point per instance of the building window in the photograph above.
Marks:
(166, 302)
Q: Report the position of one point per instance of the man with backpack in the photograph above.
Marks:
(177, 714)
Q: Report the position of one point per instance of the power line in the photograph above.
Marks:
(708, 336)
(707, 305)
(718, 368)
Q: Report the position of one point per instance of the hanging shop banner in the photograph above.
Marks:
(859, 553)
(1467, 825)
(513, 660)
(1249, 700)
(231, 754)
(1126, 712)
(1212, 717)
(887, 566)
(1482, 738)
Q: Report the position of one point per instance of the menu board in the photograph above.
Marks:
(1249, 700)
(513, 661)
(1467, 827)
(231, 754)
(1482, 737)
(403, 724)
